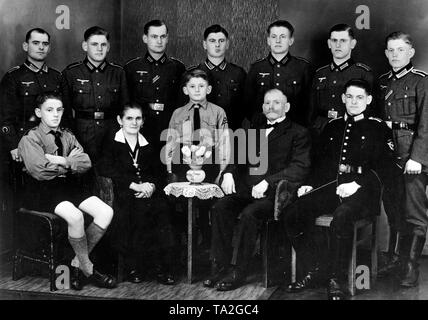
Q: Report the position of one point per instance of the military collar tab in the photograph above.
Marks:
(33, 68)
(92, 68)
(356, 118)
(211, 65)
(284, 60)
(150, 59)
(402, 72)
(341, 67)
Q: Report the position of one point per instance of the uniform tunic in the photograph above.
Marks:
(228, 82)
(292, 75)
(95, 95)
(327, 88)
(49, 184)
(156, 86)
(403, 100)
(19, 89)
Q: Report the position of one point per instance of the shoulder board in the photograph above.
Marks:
(335, 119)
(193, 66)
(178, 60)
(384, 75)
(75, 64)
(364, 66)
(326, 66)
(376, 119)
(259, 60)
(302, 59)
(116, 65)
(13, 69)
(419, 72)
(132, 60)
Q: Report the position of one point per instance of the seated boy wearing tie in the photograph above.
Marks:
(53, 158)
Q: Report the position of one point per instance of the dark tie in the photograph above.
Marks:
(196, 123)
(268, 125)
(58, 142)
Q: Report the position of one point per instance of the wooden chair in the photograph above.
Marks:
(39, 238)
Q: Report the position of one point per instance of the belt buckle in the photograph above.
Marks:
(99, 115)
(157, 106)
(332, 114)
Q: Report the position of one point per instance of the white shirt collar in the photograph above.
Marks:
(276, 121)
(120, 137)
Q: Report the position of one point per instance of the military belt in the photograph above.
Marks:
(346, 168)
(403, 126)
(97, 115)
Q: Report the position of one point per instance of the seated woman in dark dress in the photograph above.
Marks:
(141, 229)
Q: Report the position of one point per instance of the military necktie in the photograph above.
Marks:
(58, 142)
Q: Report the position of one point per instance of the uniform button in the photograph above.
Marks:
(157, 88)
(389, 103)
(26, 93)
(218, 81)
(294, 82)
(340, 173)
(343, 158)
(219, 95)
(157, 100)
(99, 97)
(347, 130)
(389, 117)
(349, 124)
(98, 84)
(98, 122)
(344, 150)
(334, 81)
(44, 86)
(96, 71)
(345, 144)
(157, 112)
(277, 84)
(346, 138)
(278, 74)
(80, 91)
(333, 95)
(141, 80)
(405, 96)
(278, 65)
(363, 137)
(156, 64)
(262, 83)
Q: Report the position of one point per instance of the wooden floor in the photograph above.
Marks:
(33, 287)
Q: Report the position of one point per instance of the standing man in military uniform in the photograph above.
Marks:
(227, 79)
(292, 75)
(95, 91)
(20, 87)
(18, 91)
(154, 81)
(403, 103)
(327, 86)
(353, 153)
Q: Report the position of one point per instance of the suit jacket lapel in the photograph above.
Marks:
(279, 130)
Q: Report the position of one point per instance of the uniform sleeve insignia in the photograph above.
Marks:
(13, 69)
(364, 66)
(5, 129)
(376, 119)
(319, 69)
(419, 72)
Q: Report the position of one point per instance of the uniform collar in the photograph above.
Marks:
(402, 72)
(356, 118)
(45, 129)
(190, 105)
(341, 67)
(211, 65)
(284, 60)
(33, 68)
(120, 137)
(150, 59)
(92, 68)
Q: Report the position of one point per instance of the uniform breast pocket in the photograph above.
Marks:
(263, 82)
(406, 103)
(81, 90)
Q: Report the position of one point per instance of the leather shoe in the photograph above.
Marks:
(77, 279)
(233, 281)
(165, 278)
(311, 280)
(217, 273)
(135, 276)
(334, 292)
(103, 280)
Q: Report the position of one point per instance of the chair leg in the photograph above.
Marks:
(52, 275)
(17, 267)
(374, 246)
(293, 265)
(353, 264)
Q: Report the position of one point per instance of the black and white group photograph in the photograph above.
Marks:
(216, 155)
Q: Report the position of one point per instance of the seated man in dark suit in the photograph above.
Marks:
(353, 152)
(283, 149)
